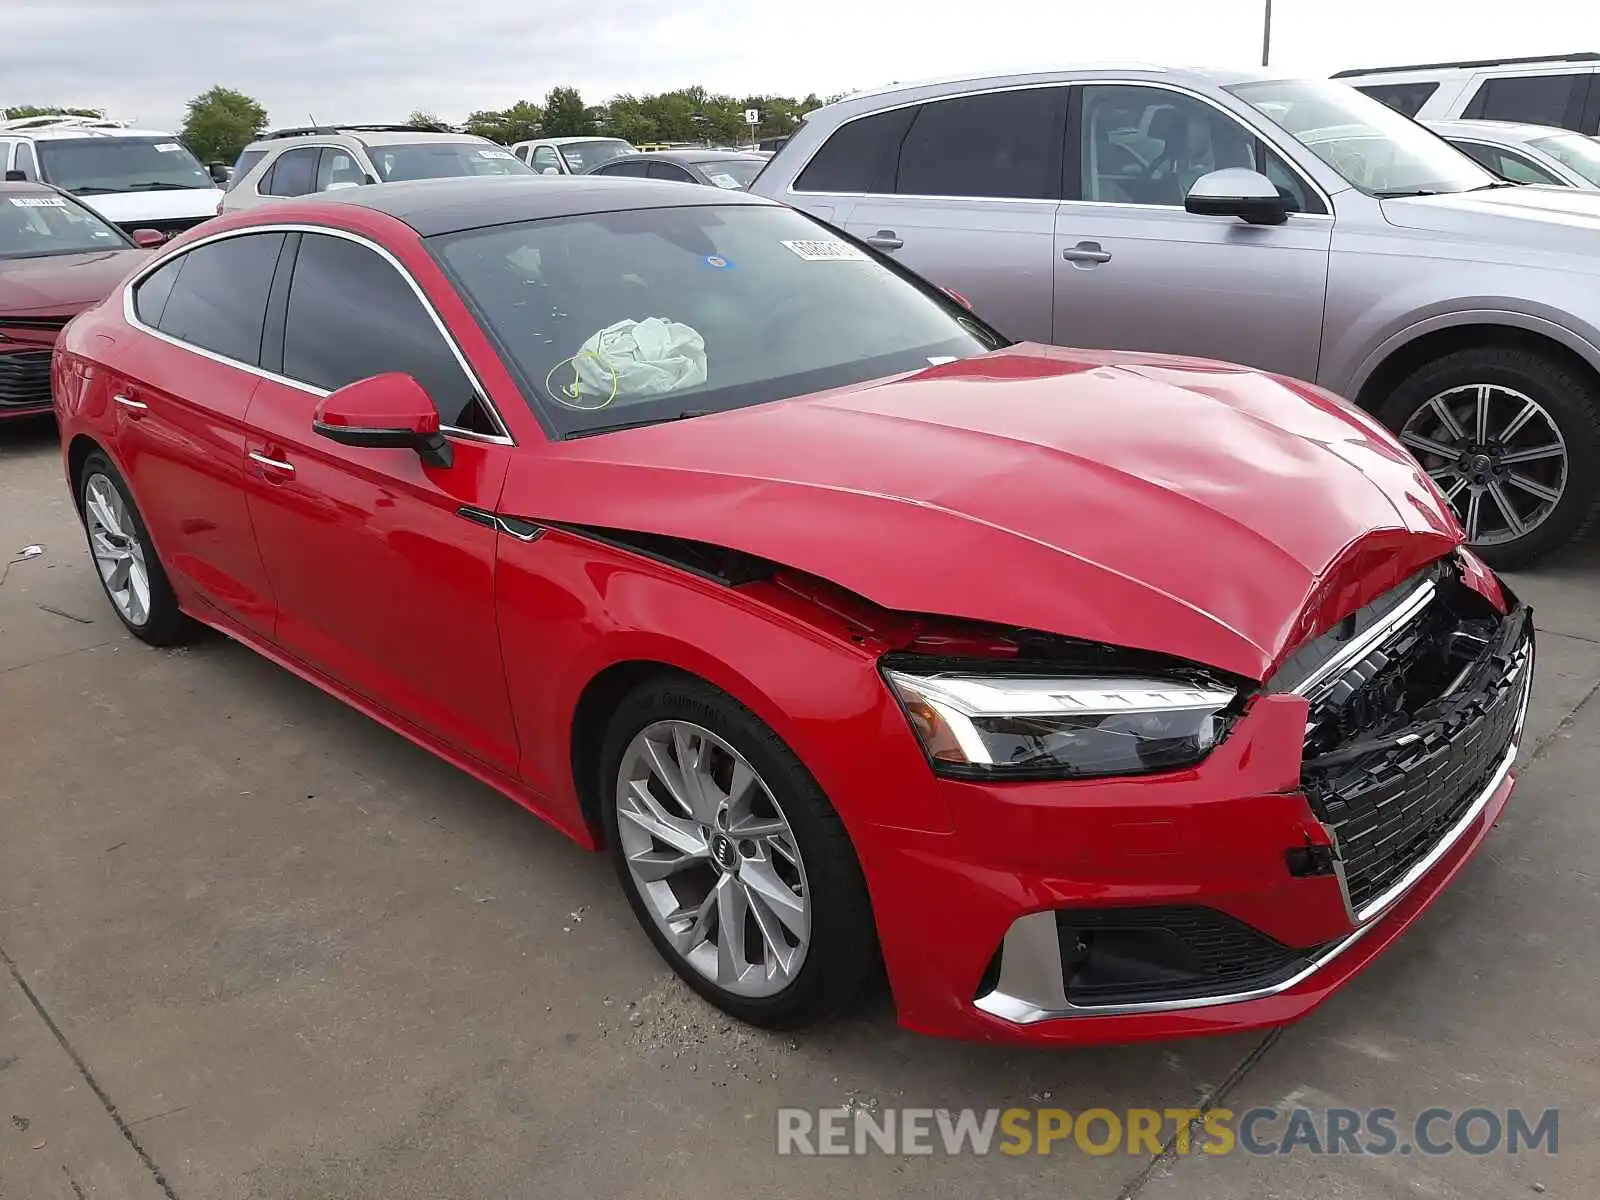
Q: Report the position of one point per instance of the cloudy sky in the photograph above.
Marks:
(374, 60)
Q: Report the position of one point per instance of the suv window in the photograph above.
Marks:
(247, 163)
(857, 154)
(352, 315)
(1407, 98)
(1148, 145)
(217, 296)
(992, 144)
(294, 174)
(1537, 99)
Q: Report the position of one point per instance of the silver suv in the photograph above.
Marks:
(1293, 225)
(298, 162)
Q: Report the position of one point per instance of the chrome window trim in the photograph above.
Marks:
(286, 227)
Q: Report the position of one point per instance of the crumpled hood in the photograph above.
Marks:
(62, 284)
(1175, 505)
(1554, 219)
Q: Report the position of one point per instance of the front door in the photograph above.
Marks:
(384, 579)
(1134, 271)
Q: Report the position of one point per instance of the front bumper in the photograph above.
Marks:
(1206, 853)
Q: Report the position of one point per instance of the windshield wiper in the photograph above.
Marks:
(1498, 183)
(1400, 193)
(162, 187)
(685, 415)
(92, 191)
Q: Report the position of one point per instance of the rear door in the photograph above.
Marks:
(184, 384)
(969, 201)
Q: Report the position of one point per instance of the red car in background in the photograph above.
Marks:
(56, 258)
(1096, 696)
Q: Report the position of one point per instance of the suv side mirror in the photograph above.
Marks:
(1237, 192)
(146, 238)
(385, 411)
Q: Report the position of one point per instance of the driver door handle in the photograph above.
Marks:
(884, 239)
(1086, 252)
(276, 464)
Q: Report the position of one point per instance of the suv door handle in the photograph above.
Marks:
(884, 239)
(1086, 252)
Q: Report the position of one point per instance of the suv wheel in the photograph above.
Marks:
(1512, 438)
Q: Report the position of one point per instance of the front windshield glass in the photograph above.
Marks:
(98, 166)
(1375, 148)
(585, 156)
(443, 160)
(732, 173)
(1573, 151)
(624, 318)
(35, 225)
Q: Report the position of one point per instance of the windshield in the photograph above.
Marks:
(1375, 148)
(585, 156)
(443, 160)
(98, 166)
(633, 317)
(36, 225)
(1573, 151)
(732, 172)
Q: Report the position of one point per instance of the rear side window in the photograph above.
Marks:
(218, 299)
(247, 163)
(634, 168)
(1537, 99)
(1407, 98)
(150, 296)
(294, 174)
(996, 144)
(352, 316)
(666, 170)
(857, 155)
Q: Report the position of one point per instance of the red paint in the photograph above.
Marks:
(1188, 507)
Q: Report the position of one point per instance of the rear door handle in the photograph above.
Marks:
(885, 239)
(277, 464)
(1086, 252)
(135, 407)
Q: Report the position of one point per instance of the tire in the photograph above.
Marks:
(840, 958)
(1569, 404)
(150, 613)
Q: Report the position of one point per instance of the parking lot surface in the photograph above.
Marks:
(254, 945)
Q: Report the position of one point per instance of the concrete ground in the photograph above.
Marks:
(252, 945)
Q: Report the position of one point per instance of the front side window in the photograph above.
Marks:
(247, 163)
(859, 156)
(1573, 151)
(1370, 145)
(442, 160)
(1003, 144)
(25, 160)
(218, 298)
(1406, 98)
(36, 225)
(294, 174)
(98, 166)
(584, 156)
(643, 315)
(352, 315)
(1536, 99)
(546, 161)
(338, 168)
(732, 173)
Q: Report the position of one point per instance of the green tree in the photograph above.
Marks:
(519, 123)
(18, 111)
(426, 121)
(565, 114)
(220, 123)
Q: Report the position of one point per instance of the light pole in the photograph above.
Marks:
(1266, 35)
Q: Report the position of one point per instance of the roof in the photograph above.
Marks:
(689, 156)
(51, 133)
(26, 187)
(367, 136)
(1581, 56)
(435, 206)
(566, 141)
(1515, 132)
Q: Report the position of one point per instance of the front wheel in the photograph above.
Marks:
(1512, 438)
(736, 865)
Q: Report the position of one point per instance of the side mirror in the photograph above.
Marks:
(15, 176)
(384, 412)
(220, 172)
(1238, 192)
(147, 238)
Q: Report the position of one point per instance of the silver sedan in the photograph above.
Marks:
(1536, 154)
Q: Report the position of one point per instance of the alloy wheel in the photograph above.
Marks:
(1497, 455)
(119, 555)
(710, 852)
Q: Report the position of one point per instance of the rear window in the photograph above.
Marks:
(443, 160)
(98, 166)
(645, 315)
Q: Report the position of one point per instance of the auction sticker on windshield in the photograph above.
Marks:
(493, 154)
(826, 250)
(38, 202)
(168, 147)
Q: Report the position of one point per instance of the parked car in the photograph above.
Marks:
(1535, 154)
(57, 257)
(715, 168)
(1293, 225)
(1549, 89)
(1106, 695)
(570, 155)
(135, 178)
(299, 162)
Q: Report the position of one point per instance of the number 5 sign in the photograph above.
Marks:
(752, 116)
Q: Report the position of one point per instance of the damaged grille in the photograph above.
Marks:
(1411, 728)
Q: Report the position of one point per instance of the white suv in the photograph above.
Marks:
(298, 162)
(1562, 90)
(135, 178)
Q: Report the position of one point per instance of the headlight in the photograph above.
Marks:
(1030, 727)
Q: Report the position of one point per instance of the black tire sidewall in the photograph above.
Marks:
(166, 623)
(842, 957)
(1572, 401)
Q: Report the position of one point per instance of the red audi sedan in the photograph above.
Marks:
(1094, 696)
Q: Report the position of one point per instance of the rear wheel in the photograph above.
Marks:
(1512, 438)
(125, 558)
